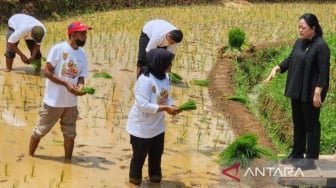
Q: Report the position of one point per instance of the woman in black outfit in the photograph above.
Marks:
(307, 84)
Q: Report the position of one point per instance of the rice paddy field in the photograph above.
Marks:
(102, 150)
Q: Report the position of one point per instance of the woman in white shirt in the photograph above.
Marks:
(145, 123)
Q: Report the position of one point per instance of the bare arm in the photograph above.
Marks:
(35, 50)
(49, 73)
(272, 74)
(23, 57)
(317, 101)
(172, 110)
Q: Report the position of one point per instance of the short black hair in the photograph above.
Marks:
(176, 35)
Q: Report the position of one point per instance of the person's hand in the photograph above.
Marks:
(317, 101)
(172, 110)
(79, 87)
(24, 59)
(272, 74)
(72, 88)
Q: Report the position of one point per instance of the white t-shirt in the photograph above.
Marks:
(143, 120)
(156, 30)
(69, 64)
(22, 25)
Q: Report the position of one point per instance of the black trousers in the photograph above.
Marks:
(143, 41)
(307, 129)
(153, 147)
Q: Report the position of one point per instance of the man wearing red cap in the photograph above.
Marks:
(32, 30)
(65, 70)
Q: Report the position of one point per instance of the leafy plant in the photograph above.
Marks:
(236, 38)
(87, 90)
(242, 100)
(243, 150)
(102, 75)
(189, 105)
(204, 83)
(175, 78)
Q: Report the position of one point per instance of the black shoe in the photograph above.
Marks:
(155, 179)
(305, 164)
(135, 181)
(292, 158)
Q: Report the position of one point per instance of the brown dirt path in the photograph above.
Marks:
(240, 119)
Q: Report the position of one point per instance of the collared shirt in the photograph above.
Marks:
(156, 30)
(144, 120)
(308, 67)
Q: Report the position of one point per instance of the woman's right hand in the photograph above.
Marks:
(272, 74)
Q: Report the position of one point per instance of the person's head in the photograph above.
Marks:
(77, 33)
(174, 36)
(37, 34)
(309, 26)
(158, 61)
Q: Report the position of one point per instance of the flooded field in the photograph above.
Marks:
(102, 150)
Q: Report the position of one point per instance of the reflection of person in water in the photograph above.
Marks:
(146, 124)
(65, 70)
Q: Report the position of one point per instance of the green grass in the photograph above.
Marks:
(272, 107)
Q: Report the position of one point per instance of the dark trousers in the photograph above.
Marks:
(143, 41)
(153, 147)
(307, 129)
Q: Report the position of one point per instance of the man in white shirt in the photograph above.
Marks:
(65, 70)
(33, 31)
(157, 33)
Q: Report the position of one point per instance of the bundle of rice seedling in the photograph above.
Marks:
(175, 78)
(243, 150)
(102, 75)
(204, 83)
(189, 105)
(242, 100)
(36, 64)
(87, 90)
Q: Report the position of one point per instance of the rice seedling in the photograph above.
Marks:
(32, 171)
(243, 149)
(6, 169)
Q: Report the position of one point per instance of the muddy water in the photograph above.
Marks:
(102, 152)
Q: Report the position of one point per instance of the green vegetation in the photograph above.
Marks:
(242, 100)
(204, 83)
(243, 150)
(271, 106)
(102, 75)
(175, 78)
(236, 38)
(87, 90)
(189, 105)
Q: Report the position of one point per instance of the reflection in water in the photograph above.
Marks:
(11, 119)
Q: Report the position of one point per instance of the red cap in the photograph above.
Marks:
(77, 26)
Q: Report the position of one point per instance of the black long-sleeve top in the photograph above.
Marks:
(308, 67)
